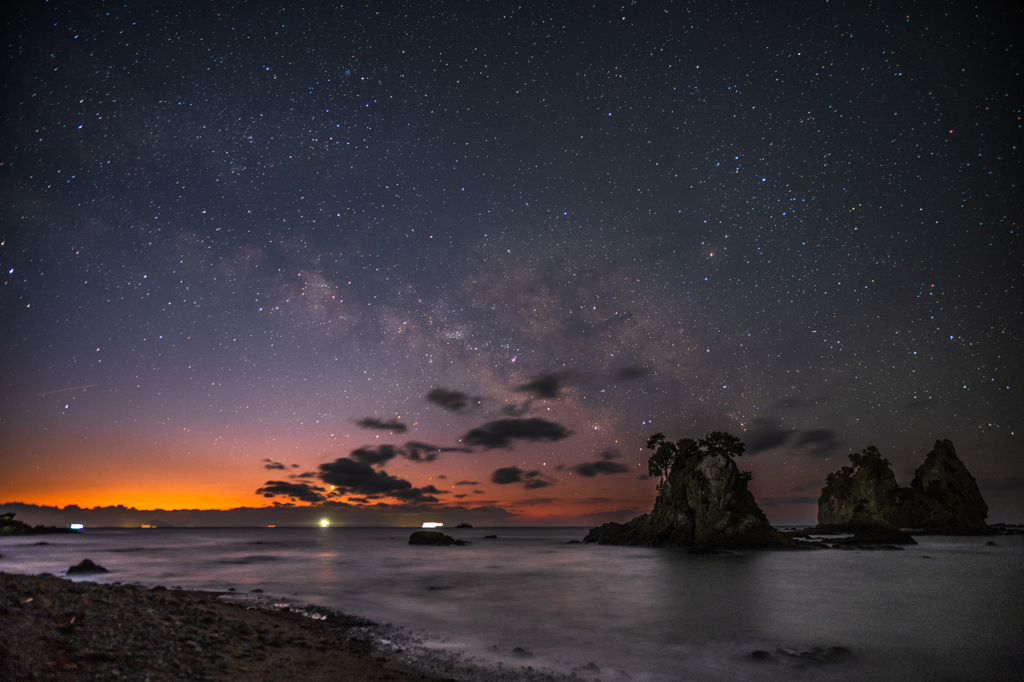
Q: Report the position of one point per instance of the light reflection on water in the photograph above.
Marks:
(949, 608)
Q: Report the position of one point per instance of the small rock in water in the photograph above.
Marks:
(760, 655)
(257, 590)
(521, 652)
(490, 537)
(991, 544)
(87, 566)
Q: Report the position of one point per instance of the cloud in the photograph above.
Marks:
(765, 433)
(547, 385)
(424, 494)
(501, 433)
(414, 451)
(298, 491)
(374, 456)
(417, 451)
(455, 401)
(274, 465)
(467, 483)
(507, 475)
(360, 478)
(605, 465)
(514, 410)
(1000, 484)
(374, 423)
(630, 372)
(531, 480)
(823, 441)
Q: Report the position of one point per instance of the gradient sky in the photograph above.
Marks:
(242, 243)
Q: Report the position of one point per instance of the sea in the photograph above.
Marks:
(536, 604)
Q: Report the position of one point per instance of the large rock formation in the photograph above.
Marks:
(943, 497)
(703, 502)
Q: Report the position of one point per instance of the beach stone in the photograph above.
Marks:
(86, 566)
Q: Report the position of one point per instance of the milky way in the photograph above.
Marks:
(507, 242)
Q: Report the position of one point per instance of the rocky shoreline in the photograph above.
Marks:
(56, 629)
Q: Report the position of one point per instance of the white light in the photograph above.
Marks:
(324, 523)
(432, 524)
(77, 526)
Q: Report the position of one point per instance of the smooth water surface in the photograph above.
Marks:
(946, 609)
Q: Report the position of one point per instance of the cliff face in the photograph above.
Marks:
(943, 498)
(703, 502)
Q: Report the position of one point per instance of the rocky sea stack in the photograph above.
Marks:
(942, 499)
(702, 502)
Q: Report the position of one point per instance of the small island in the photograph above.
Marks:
(703, 502)
(943, 498)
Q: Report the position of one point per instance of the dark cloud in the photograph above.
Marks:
(459, 497)
(467, 483)
(823, 442)
(417, 451)
(547, 385)
(531, 480)
(305, 474)
(1001, 484)
(630, 372)
(501, 433)
(274, 465)
(374, 423)
(514, 410)
(374, 456)
(297, 491)
(360, 478)
(507, 475)
(765, 433)
(424, 494)
(605, 465)
(456, 401)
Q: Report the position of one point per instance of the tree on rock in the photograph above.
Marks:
(669, 456)
(703, 500)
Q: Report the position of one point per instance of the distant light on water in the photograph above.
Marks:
(77, 526)
(432, 524)
(324, 523)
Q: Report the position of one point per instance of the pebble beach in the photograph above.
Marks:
(55, 629)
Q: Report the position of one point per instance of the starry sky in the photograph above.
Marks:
(452, 260)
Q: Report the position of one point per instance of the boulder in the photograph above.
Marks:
(703, 502)
(86, 566)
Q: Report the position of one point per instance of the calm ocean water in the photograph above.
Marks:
(946, 609)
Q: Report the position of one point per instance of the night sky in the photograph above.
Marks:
(471, 255)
